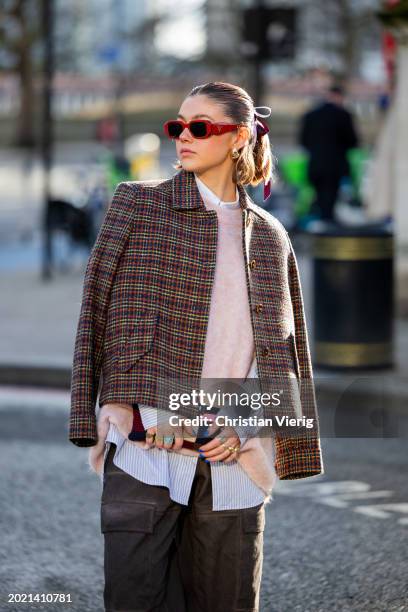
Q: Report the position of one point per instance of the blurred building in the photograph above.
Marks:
(343, 37)
(107, 34)
(222, 19)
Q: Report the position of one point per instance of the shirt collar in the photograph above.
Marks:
(186, 195)
(208, 195)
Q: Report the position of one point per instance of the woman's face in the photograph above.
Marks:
(207, 153)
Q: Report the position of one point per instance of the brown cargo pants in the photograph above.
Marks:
(161, 556)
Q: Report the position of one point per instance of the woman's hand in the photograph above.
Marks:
(123, 416)
(217, 449)
(155, 436)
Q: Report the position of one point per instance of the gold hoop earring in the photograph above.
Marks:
(235, 154)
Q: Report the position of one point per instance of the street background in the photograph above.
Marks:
(84, 91)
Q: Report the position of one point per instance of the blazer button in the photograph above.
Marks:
(265, 351)
(252, 264)
(258, 308)
(248, 220)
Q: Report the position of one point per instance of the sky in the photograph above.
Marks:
(184, 35)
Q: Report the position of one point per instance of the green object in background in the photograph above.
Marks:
(357, 159)
(117, 170)
(293, 169)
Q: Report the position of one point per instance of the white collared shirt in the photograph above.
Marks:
(213, 198)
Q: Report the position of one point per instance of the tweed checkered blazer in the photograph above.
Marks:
(145, 307)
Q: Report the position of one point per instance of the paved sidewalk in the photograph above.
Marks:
(37, 326)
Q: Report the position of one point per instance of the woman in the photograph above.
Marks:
(170, 292)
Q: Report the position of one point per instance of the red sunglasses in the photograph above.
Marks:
(198, 128)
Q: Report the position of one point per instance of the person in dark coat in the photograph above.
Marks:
(327, 132)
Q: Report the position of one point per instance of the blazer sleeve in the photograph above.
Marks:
(99, 277)
(300, 456)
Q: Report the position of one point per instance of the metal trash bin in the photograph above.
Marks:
(353, 296)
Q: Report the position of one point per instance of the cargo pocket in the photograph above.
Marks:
(251, 557)
(127, 516)
(127, 528)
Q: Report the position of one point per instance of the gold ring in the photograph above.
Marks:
(150, 435)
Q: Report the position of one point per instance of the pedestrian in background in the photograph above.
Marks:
(327, 132)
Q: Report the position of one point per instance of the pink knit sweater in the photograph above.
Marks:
(229, 346)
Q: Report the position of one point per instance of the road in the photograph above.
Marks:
(335, 542)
